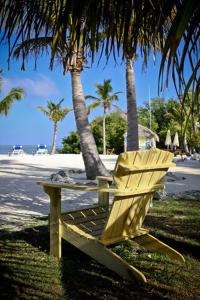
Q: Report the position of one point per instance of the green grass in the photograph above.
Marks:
(28, 272)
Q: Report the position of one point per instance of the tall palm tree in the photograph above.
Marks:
(174, 23)
(56, 114)
(10, 98)
(72, 57)
(132, 119)
(104, 99)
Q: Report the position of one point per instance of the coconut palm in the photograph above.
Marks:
(56, 114)
(72, 59)
(104, 99)
(10, 98)
(142, 24)
(175, 20)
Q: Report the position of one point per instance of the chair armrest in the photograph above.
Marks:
(105, 178)
(103, 197)
(62, 185)
(117, 192)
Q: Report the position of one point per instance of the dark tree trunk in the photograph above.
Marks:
(92, 161)
(132, 132)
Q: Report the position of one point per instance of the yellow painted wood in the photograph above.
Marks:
(103, 255)
(145, 168)
(118, 192)
(121, 238)
(91, 221)
(105, 178)
(137, 175)
(151, 243)
(103, 198)
(55, 220)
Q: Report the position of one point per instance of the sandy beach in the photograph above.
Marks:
(21, 198)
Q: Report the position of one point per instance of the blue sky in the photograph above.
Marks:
(27, 126)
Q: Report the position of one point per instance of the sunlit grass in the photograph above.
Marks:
(27, 271)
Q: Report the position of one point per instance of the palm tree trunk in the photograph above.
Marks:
(132, 132)
(92, 161)
(53, 149)
(104, 133)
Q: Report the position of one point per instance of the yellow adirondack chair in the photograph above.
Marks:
(137, 176)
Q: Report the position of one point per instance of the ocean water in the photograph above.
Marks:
(29, 149)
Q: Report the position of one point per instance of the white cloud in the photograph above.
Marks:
(43, 86)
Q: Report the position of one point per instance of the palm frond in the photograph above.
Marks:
(60, 102)
(6, 103)
(43, 110)
(128, 25)
(92, 106)
(91, 97)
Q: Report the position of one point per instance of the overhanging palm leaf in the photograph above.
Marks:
(182, 47)
(6, 103)
(122, 21)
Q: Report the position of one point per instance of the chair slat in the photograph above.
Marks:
(139, 170)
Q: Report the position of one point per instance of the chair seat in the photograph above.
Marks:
(91, 221)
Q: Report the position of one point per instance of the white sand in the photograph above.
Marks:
(21, 198)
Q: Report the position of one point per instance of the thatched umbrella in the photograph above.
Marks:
(142, 130)
(148, 133)
(176, 141)
(168, 140)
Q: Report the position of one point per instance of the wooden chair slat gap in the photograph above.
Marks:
(82, 220)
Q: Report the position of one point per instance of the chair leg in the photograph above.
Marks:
(55, 220)
(151, 243)
(103, 255)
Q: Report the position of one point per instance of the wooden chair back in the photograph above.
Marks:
(139, 174)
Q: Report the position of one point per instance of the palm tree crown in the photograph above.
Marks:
(56, 114)
(105, 100)
(54, 111)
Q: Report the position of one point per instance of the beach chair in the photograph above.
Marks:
(42, 149)
(17, 149)
(137, 176)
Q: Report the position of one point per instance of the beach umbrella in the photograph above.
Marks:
(176, 141)
(168, 140)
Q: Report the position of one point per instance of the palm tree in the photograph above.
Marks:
(56, 114)
(105, 100)
(142, 24)
(175, 20)
(72, 59)
(11, 97)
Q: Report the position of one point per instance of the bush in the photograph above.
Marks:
(115, 129)
(71, 144)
